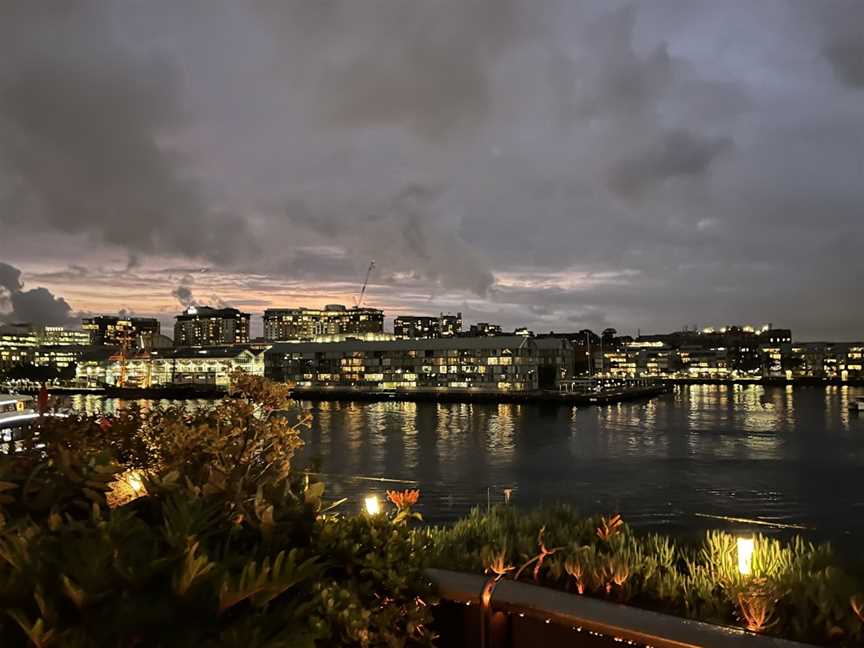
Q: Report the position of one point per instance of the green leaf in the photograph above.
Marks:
(193, 569)
(71, 590)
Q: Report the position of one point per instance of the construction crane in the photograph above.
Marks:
(359, 302)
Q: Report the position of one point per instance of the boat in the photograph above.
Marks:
(16, 410)
(856, 405)
(18, 413)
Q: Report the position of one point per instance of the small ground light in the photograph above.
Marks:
(373, 506)
(745, 556)
(135, 483)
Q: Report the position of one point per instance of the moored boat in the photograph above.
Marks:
(18, 414)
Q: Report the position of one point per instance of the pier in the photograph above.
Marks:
(581, 392)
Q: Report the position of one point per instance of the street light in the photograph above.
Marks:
(745, 556)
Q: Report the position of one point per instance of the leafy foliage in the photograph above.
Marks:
(174, 529)
(795, 589)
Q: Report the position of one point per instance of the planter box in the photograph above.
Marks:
(520, 615)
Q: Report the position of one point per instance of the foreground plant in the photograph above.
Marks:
(194, 532)
(404, 501)
(757, 604)
(794, 589)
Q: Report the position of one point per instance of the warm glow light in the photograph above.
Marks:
(373, 506)
(745, 556)
(135, 483)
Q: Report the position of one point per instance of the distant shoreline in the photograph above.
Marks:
(187, 392)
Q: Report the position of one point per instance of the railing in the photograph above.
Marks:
(511, 614)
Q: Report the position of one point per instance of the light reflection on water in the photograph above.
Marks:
(777, 454)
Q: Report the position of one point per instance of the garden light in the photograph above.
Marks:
(373, 506)
(135, 483)
(745, 556)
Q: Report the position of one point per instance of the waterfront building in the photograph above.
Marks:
(18, 344)
(501, 363)
(175, 366)
(22, 345)
(362, 337)
(92, 365)
(638, 359)
(110, 330)
(705, 363)
(411, 327)
(852, 367)
(827, 360)
(61, 336)
(60, 356)
(482, 329)
(283, 324)
(206, 326)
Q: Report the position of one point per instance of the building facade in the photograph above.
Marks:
(61, 336)
(412, 327)
(60, 356)
(21, 345)
(205, 326)
(283, 324)
(108, 330)
(178, 366)
(483, 329)
(504, 363)
(18, 344)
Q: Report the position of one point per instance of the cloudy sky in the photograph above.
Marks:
(553, 163)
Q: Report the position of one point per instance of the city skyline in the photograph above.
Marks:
(168, 315)
(560, 166)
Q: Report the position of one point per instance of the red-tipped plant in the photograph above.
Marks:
(609, 527)
(403, 501)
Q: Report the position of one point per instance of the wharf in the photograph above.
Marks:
(478, 396)
(768, 381)
(172, 392)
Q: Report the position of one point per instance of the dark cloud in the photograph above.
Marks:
(675, 154)
(183, 294)
(538, 162)
(425, 65)
(614, 80)
(35, 306)
(10, 278)
(404, 232)
(843, 38)
(85, 128)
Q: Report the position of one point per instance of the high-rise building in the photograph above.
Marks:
(483, 329)
(281, 324)
(61, 336)
(111, 330)
(407, 327)
(18, 344)
(205, 326)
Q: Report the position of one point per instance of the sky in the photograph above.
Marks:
(558, 164)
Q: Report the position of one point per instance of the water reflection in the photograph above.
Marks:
(92, 404)
(778, 454)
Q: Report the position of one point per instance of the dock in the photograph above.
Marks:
(570, 398)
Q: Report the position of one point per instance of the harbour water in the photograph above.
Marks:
(777, 459)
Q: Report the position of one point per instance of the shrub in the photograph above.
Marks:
(795, 589)
(176, 529)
